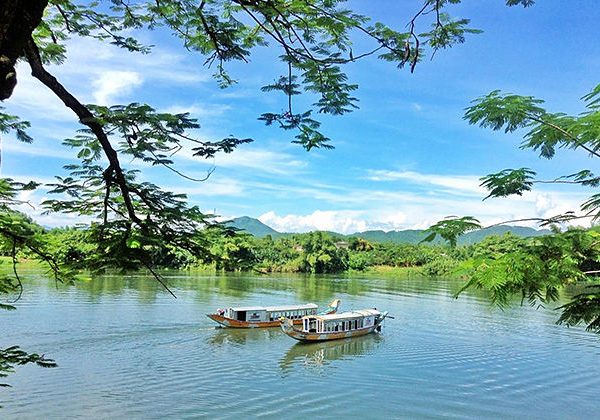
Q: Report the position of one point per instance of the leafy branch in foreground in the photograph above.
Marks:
(18, 236)
(14, 356)
(315, 44)
(451, 228)
(583, 308)
(132, 217)
(538, 269)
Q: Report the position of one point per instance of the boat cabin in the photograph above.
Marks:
(270, 313)
(346, 321)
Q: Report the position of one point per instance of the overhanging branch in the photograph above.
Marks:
(85, 117)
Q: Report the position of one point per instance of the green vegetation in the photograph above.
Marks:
(536, 270)
(314, 252)
(411, 236)
(139, 225)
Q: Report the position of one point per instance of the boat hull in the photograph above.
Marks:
(314, 337)
(234, 323)
(299, 334)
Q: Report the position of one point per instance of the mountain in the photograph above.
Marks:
(253, 226)
(395, 236)
(259, 229)
(416, 236)
(480, 235)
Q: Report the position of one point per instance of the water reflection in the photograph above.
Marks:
(236, 285)
(441, 357)
(227, 336)
(316, 356)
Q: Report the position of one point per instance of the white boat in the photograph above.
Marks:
(334, 326)
(267, 316)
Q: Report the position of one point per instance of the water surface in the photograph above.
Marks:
(126, 349)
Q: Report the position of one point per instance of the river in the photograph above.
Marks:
(127, 349)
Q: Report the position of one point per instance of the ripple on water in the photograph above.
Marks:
(132, 352)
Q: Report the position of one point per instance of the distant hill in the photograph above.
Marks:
(259, 229)
(253, 226)
(410, 236)
(480, 235)
(416, 236)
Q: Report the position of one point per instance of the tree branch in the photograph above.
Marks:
(563, 132)
(85, 117)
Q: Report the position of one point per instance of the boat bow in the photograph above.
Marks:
(332, 308)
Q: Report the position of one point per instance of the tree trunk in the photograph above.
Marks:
(18, 19)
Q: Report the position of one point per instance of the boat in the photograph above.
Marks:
(268, 316)
(334, 326)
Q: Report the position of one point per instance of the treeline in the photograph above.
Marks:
(319, 252)
(566, 254)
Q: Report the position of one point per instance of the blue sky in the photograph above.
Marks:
(404, 160)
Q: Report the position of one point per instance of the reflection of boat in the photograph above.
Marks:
(316, 355)
(238, 336)
(334, 326)
(261, 317)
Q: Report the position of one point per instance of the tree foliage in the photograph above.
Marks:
(315, 40)
(451, 228)
(538, 269)
(134, 218)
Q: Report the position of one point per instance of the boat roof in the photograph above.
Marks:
(347, 315)
(276, 308)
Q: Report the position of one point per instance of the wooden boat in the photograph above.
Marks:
(267, 316)
(334, 326)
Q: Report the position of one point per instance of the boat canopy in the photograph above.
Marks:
(347, 315)
(275, 308)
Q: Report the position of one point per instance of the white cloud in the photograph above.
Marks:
(13, 146)
(341, 221)
(89, 57)
(374, 210)
(115, 84)
(457, 183)
(33, 208)
(31, 98)
(259, 160)
(337, 221)
(197, 110)
(211, 187)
